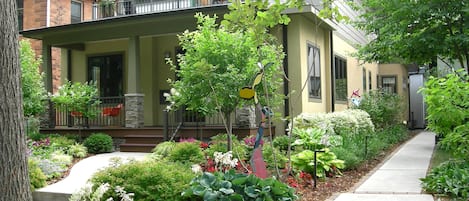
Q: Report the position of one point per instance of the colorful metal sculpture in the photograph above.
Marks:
(355, 98)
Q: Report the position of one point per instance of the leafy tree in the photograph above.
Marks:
(14, 180)
(31, 80)
(79, 98)
(447, 103)
(416, 31)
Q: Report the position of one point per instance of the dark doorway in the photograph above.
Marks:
(106, 71)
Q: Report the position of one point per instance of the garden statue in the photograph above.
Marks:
(355, 98)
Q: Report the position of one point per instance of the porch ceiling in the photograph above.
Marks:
(75, 35)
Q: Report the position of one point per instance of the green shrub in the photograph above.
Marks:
(233, 186)
(58, 142)
(37, 178)
(77, 150)
(282, 142)
(384, 108)
(219, 144)
(149, 180)
(163, 149)
(350, 157)
(187, 152)
(271, 155)
(98, 143)
(449, 178)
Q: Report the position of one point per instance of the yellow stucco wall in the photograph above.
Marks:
(401, 73)
(301, 32)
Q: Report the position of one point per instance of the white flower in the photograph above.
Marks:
(196, 168)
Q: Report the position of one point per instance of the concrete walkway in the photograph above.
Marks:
(79, 175)
(398, 178)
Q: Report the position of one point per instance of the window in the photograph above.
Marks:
(20, 6)
(76, 11)
(364, 79)
(314, 72)
(106, 71)
(340, 78)
(369, 80)
(389, 84)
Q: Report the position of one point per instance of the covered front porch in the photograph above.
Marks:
(126, 56)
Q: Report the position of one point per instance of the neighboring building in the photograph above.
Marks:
(123, 47)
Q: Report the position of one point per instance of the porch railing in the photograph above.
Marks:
(174, 120)
(130, 7)
(111, 112)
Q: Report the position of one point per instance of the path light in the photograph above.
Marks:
(315, 176)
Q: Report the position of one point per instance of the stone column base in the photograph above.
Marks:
(134, 110)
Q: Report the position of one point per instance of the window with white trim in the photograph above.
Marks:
(76, 11)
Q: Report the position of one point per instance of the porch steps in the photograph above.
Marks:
(140, 143)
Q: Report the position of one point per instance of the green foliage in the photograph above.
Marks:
(77, 150)
(273, 157)
(327, 162)
(36, 176)
(32, 83)
(282, 142)
(187, 152)
(98, 143)
(449, 178)
(58, 142)
(384, 108)
(51, 168)
(78, 97)
(447, 115)
(219, 144)
(149, 180)
(410, 30)
(234, 186)
(162, 150)
(309, 138)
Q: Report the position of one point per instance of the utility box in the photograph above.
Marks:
(416, 102)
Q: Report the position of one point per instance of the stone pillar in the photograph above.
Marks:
(134, 110)
(246, 117)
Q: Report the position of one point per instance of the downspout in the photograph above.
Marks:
(332, 71)
(48, 14)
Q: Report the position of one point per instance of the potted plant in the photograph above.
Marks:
(107, 8)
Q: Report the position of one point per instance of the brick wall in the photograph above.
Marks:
(35, 16)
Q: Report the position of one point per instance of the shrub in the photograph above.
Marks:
(282, 142)
(61, 158)
(58, 142)
(98, 143)
(271, 154)
(449, 178)
(51, 168)
(162, 149)
(384, 108)
(187, 152)
(149, 180)
(37, 178)
(234, 186)
(77, 150)
(327, 162)
(219, 144)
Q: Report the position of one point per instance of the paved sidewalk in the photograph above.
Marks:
(79, 175)
(398, 178)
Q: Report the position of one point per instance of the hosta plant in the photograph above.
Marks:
(234, 186)
(327, 162)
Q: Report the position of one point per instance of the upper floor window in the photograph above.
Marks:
(76, 12)
(340, 78)
(389, 84)
(314, 72)
(20, 6)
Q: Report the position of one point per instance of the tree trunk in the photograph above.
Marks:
(14, 179)
(230, 130)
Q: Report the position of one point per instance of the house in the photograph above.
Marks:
(123, 46)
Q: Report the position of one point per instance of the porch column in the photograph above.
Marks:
(134, 97)
(48, 117)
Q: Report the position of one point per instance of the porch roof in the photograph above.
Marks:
(74, 35)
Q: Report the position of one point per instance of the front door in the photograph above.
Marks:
(106, 71)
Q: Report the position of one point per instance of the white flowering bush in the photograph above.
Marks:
(88, 194)
(224, 161)
(78, 97)
(343, 123)
(364, 123)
